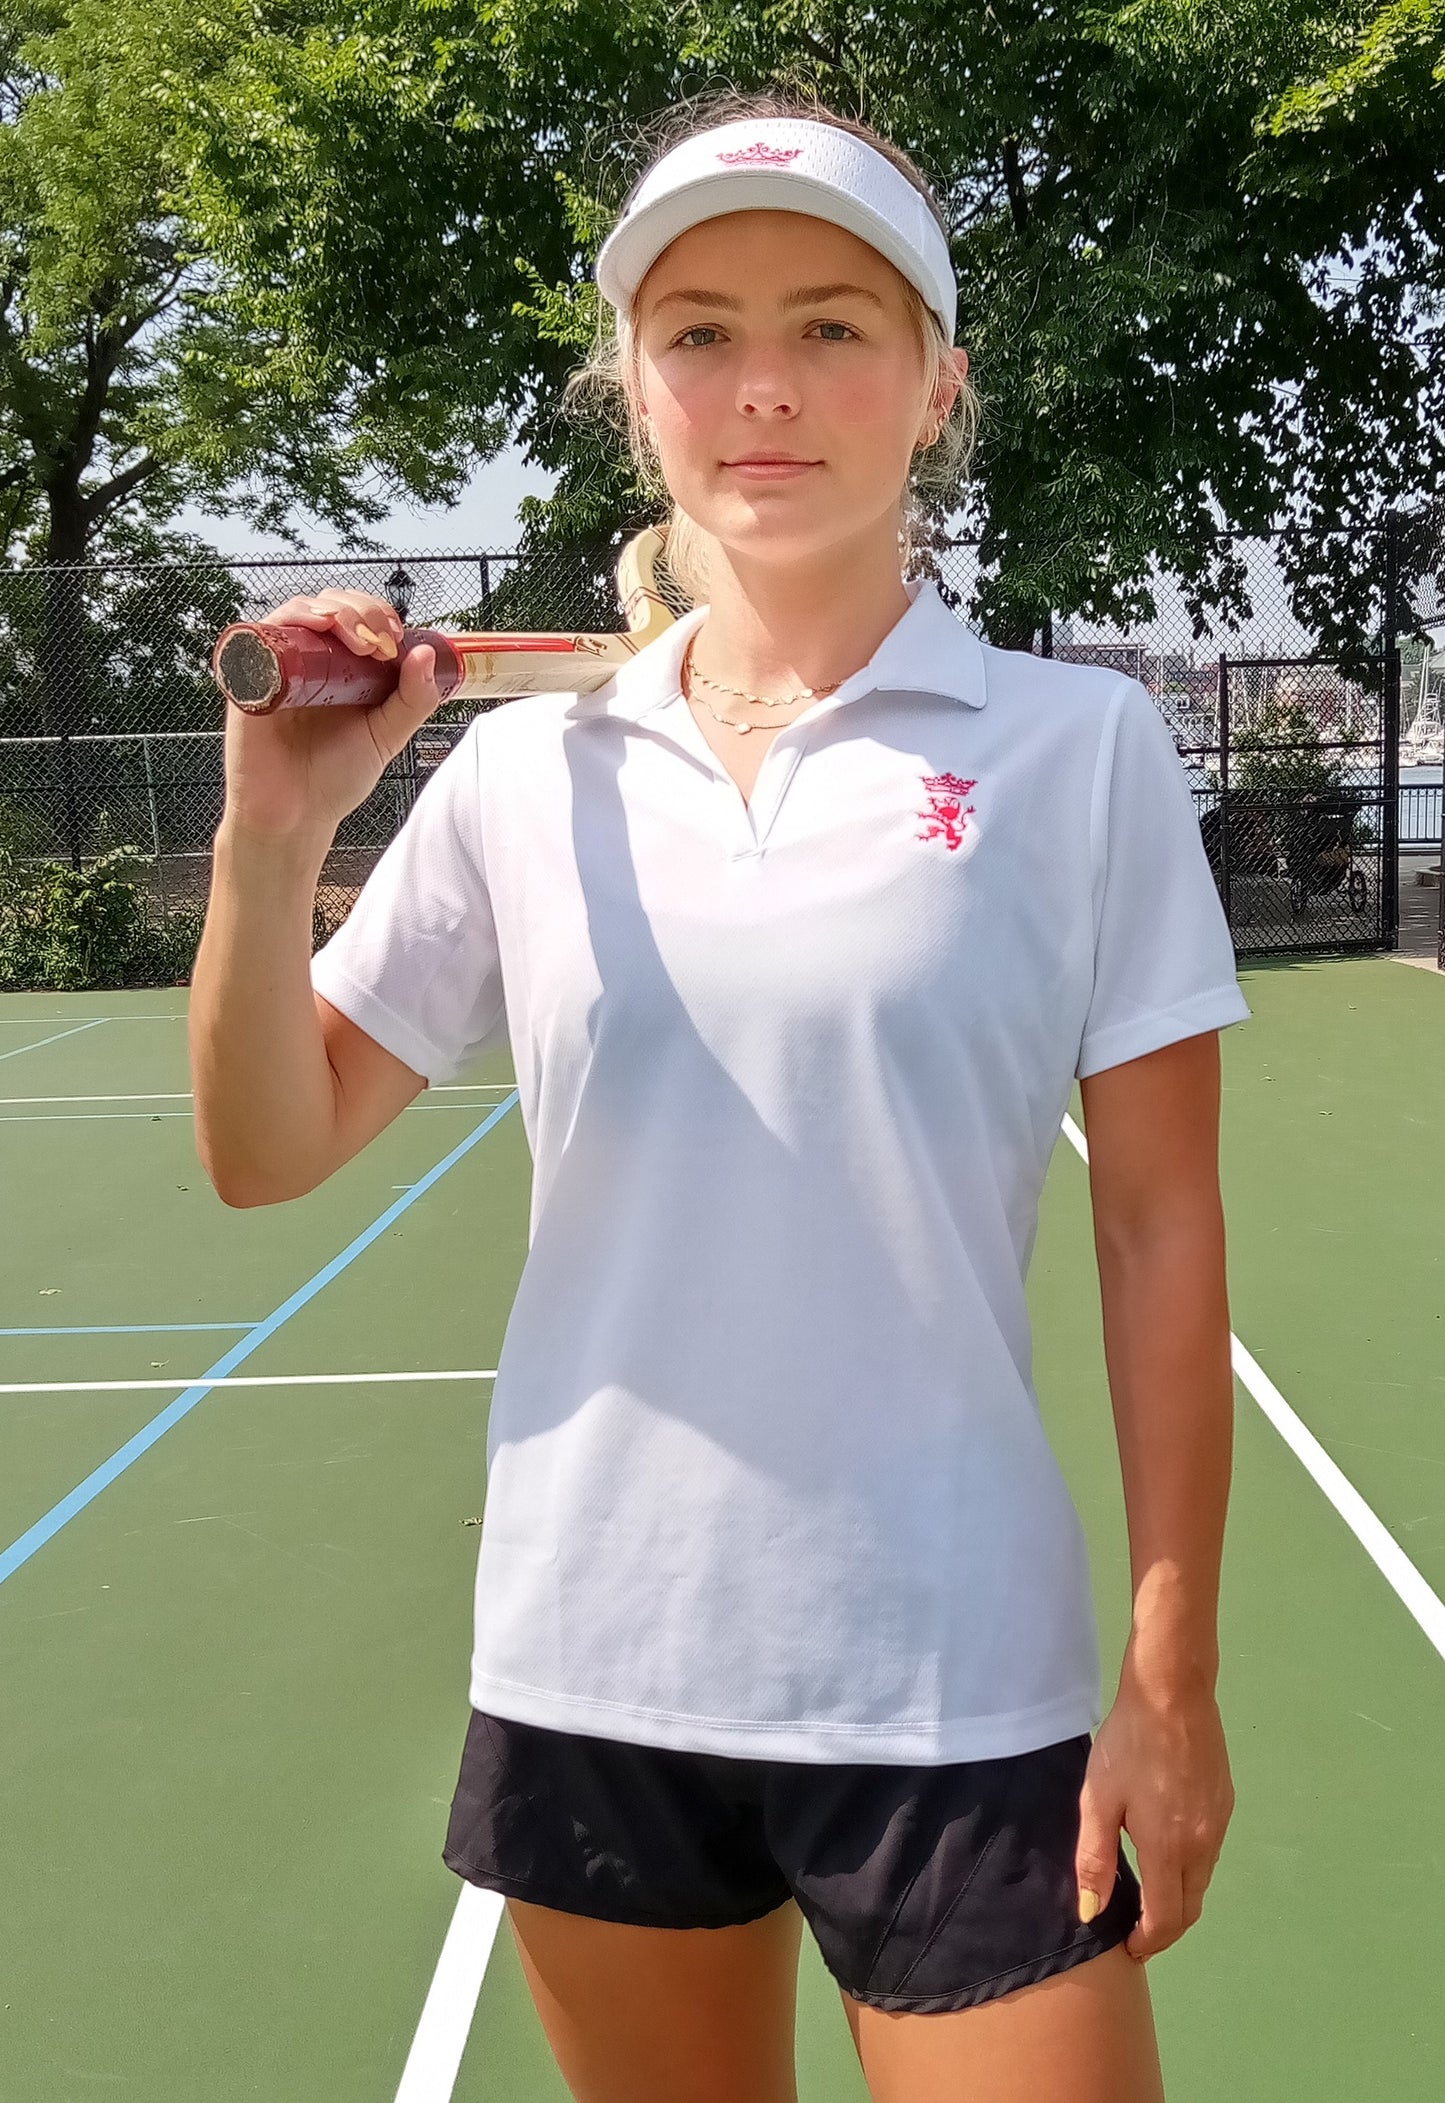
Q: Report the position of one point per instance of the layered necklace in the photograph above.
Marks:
(690, 676)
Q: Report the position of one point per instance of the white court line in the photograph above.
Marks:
(447, 2015)
(107, 1117)
(430, 2073)
(41, 1042)
(130, 1387)
(184, 1095)
(155, 1117)
(1384, 1551)
(451, 2002)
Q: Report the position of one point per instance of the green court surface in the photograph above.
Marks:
(235, 1620)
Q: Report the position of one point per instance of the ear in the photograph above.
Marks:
(959, 360)
(942, 409)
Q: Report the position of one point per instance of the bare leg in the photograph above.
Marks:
(665, 2015)
(1083, 2036)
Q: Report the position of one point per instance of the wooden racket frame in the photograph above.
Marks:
(262, 666)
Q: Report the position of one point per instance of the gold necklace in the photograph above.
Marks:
(690, 674)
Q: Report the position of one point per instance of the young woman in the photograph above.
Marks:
(800, 930)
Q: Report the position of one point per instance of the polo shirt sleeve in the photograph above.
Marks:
(1164, 964)
(415, 963)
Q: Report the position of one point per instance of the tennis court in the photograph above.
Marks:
(243, 1463)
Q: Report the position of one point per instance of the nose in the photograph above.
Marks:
(767, 388)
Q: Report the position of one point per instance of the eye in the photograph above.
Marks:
(705, 327)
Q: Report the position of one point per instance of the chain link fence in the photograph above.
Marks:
(111, 725)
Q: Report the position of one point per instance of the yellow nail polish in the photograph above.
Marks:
(1088, 1905)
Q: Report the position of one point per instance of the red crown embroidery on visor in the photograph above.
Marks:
(773, 156)
(946, 814)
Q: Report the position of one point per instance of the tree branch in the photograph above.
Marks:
(820, 51)
(1013, 177)
(120, 337)
(119, 486)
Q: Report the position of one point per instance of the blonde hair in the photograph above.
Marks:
(607, 381)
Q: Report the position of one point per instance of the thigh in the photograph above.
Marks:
(1083, 2036)
(665, 2015)
(656, 1933)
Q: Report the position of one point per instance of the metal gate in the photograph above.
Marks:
(1296, 782)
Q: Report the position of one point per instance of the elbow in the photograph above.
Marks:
(241, 1194)
(244, 1197)
(242, 1187)
(241, 1199)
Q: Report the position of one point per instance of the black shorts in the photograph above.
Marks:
(926, 1888)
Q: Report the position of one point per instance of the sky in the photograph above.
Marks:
(482, 521)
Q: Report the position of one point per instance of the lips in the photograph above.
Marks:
(770, 470)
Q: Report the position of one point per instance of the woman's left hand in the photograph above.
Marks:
(1159, 1768)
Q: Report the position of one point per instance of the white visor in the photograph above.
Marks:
(780, 164)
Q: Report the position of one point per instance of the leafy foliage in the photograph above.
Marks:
(1281, 756)
(284, 251)
(135, 374)
(65, 929)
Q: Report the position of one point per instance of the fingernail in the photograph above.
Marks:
(1088, 1904)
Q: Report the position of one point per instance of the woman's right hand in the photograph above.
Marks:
(300, 771)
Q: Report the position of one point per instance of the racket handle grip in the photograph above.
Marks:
(262, 666)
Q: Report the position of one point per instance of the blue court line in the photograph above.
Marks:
(41, 1042)
(86, 1492)
(128, 1329)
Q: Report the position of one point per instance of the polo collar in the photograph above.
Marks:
(928, 650)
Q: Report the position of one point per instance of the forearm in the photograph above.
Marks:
(265, 1096)
(1166, 1344)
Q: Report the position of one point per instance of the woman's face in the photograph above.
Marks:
(767, 331)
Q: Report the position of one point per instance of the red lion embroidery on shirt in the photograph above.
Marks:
(946, 814)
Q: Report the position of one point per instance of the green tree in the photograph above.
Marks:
(129, 380)
(1193, 296)
(1280, 756)
(1187, 310)
(137, 374)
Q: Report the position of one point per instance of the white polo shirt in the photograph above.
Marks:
(766, 1470)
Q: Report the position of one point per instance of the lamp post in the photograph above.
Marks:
(399, 587)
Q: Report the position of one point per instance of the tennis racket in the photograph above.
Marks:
(261, 666)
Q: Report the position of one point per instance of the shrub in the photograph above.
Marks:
(65, 929)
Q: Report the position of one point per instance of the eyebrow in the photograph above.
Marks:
(804, 296)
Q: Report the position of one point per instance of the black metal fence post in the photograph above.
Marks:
(72, 814)
(1225, 820)
(1391, 623)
